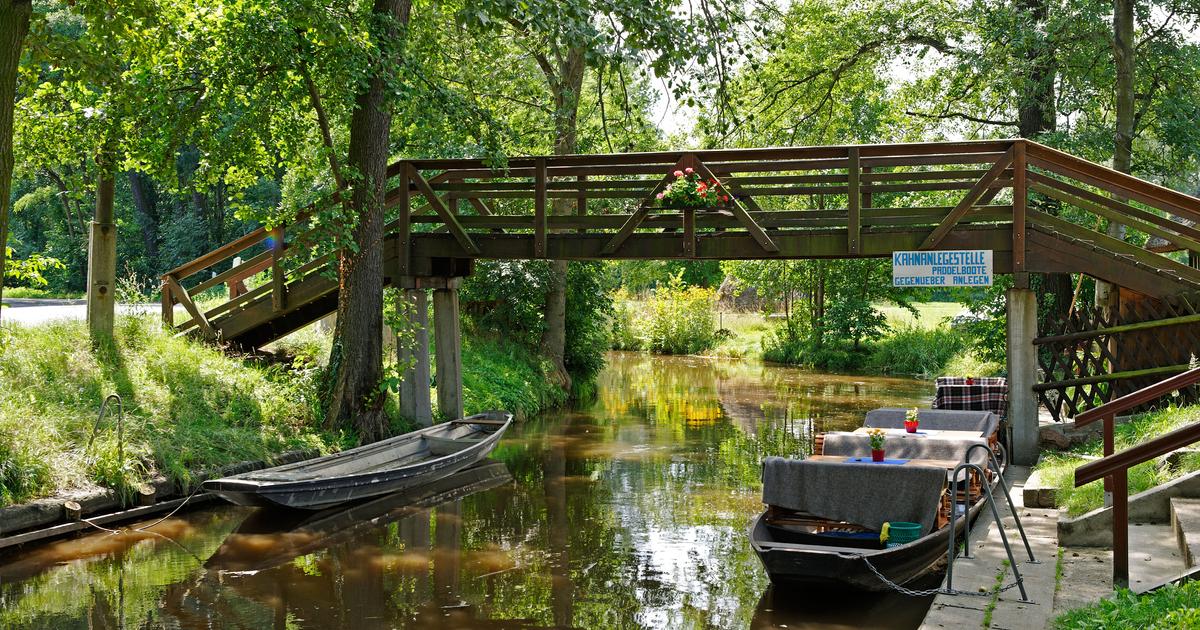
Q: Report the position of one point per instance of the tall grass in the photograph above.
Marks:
(188, 406)
(676, 319)
(914, 351)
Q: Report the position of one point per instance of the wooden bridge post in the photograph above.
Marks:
(448, 342)
(414, 387)
(1022, 374)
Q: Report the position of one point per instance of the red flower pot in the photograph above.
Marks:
(911, 427)
(876, 454)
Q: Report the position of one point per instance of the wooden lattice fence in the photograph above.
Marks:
(1087, 360)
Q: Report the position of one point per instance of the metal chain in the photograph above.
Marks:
(931, 591)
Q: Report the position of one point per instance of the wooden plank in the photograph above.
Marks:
(539, 208)
(1115, 246)
(581, 200)
(1115, 182)
(1122, 328)
(452, 223)
(968, 201)
(1048, 254)
(1020, 195)
(1181, 242)
(190, 306)
(739, 212)
(278, 275)
(234, 274)
(1124, 211)
(689, 232)
(854, 202)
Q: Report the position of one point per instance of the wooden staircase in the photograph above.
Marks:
(871, 200)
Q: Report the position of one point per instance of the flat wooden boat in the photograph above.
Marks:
(372, 470)
(806, 552)
(269, 538)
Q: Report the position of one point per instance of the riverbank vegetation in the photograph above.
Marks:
(1168, 607)
(1058, 469)
(188, 406)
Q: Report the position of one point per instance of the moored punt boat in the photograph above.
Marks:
(375, 469)
(824, 516)
(268, 539)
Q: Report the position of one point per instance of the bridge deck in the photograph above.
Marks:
(1040, 210)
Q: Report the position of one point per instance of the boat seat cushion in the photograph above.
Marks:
(864, 494)
(985, 422)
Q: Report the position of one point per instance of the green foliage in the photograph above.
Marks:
(1171, 607)
(500, 374)
(29, 270)
(588, 313)
(625, 319)
(188, 406)
(923, 352)
(679, 319)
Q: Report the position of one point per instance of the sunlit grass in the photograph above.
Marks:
(188, 406)
(1168, 607)
(30, 293)
(1058, 469)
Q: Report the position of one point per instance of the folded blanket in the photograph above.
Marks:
(936, 420)
(864, 494)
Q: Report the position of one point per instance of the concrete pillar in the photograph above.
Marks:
(1022, 375)
(449, 352)
(414, 387)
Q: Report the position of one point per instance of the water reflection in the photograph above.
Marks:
(630, 513)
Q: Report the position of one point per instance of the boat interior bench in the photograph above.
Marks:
(446, 446)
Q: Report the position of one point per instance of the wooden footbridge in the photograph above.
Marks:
(1038, 209)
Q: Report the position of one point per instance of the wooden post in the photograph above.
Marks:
(1110, 422)
(278, 275)
(404, 229)
(414, 387)
(868, 201)
(1120, 531)
(853, 203)
(102, 261)
(168, 303)
(689, 232)
(448, 345)
(1022, 374)
(539, 208)
(1020, 198)
(581, 200)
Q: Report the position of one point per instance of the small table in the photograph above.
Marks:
(947, 464)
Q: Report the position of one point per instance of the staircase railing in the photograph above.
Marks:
(1114, 467)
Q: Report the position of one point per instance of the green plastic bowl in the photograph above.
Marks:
(902, 532)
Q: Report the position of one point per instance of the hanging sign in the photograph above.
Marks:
(947, 268)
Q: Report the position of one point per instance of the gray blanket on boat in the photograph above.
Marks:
(936, 419)
(865, 494)
(905, 446)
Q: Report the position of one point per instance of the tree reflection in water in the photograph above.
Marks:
(629, 513)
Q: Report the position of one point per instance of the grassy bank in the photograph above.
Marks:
(1058, 469)
(25, 293)
(188, 406)
(1170, 607)
(498, 374)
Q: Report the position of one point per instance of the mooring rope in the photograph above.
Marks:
(147, 526)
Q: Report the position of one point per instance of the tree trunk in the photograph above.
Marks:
(1036, 115)
(145, 207)
(14, 23)
(356, 359)
(1108, 296)
(566, 87)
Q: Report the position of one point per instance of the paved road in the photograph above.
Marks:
(39, 311)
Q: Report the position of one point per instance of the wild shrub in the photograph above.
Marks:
(679, 319)
(914, 351)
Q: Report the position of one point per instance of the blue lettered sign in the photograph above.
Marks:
(950, 268)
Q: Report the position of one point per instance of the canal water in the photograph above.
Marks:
(629, 513)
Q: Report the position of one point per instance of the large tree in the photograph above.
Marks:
(14, 24)
(356, 360)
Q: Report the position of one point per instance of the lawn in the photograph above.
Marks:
(1169, 607)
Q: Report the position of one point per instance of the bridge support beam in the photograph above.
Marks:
(448, 338)
(1022, 374)
(414, 387)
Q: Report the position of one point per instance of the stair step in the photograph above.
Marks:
(1185, 521)
(1153, 555)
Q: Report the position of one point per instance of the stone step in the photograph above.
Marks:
(1039, 494)
(1153, 555)
(1185, 521)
